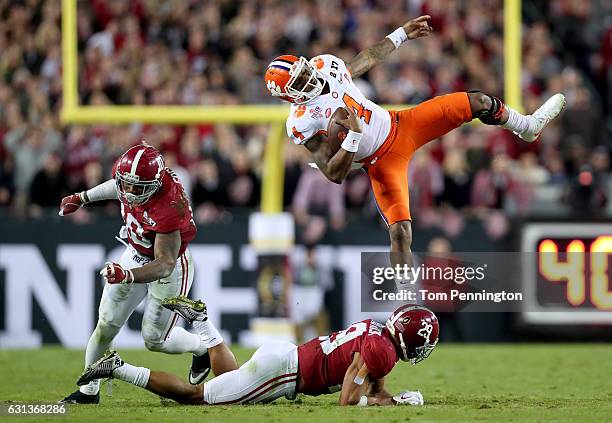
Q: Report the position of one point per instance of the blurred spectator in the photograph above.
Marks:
(7, 185)
(310, 282)
(48, 186)
(315, 195)
(208, 192)
(30, 146)
(457, 180)
(492, 185)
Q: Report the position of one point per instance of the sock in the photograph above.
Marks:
(99, 342)
(517, 122)
(210, 335)
(138, 376)
(181, 341)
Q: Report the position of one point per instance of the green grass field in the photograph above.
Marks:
(500, 383)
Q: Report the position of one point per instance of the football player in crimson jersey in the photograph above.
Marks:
(382, 141)
(156, 263)
(353, 361)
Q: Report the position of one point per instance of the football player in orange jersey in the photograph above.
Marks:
(383, 141)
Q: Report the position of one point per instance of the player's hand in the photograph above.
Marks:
(409, 397)
(70, 204)
(418, 27)
(114, 273)
(352, 122)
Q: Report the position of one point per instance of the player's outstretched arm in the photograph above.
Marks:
(105, 191)
(376, 54)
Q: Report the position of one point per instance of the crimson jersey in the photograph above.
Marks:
(323, 361)
(166, 211)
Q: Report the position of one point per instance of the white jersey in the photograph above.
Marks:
(312, 118)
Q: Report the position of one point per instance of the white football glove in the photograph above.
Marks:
(409, 397)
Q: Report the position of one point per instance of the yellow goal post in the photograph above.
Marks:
(273, 171)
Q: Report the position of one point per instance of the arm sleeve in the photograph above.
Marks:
(105, 191)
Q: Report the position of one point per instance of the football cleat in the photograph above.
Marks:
(200, 368)
(542, 117)
(190, 310)
(101, 369)
(78, 397)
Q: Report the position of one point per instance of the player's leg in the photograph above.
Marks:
(492, 111)
(222, 360)
(389, 178)
(158, 323)
(271, 373)
(440, 115)
(117, 304)
(160, 383)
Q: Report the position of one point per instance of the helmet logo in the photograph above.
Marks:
(273, 88)
(425, 330)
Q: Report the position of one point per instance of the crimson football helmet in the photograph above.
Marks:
(293, 79)
(415, 330)
(138, 174)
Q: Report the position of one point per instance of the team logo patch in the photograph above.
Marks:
(318, 62)
(148, 220)
(425, 330)
(299, 111)
(316, 113)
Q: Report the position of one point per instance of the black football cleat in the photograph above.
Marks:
(101, 369)
(200, 368)
(78, 397)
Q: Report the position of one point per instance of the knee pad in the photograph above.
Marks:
(491, 116)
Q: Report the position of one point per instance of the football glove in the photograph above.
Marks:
(70, 204)
(114, 273)
(409, 397)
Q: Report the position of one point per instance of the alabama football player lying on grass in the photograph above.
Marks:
(354, 361)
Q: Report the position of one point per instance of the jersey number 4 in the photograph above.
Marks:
(330, 343)
(360, 111)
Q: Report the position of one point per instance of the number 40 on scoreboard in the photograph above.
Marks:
(581, 272)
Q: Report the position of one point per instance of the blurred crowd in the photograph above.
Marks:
(215, 52)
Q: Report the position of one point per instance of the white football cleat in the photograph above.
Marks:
(542, 117)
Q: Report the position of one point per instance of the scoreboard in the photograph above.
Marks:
(566, 273)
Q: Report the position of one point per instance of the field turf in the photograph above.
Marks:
(460, 383)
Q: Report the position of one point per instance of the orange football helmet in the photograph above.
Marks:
(293, 79)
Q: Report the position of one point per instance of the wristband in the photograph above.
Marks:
(398, 36)
(83, 197)
(129, 277)
(363, 402)
(351, 142)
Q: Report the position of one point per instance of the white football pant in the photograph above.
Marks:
(119, 302)
(271, 373)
